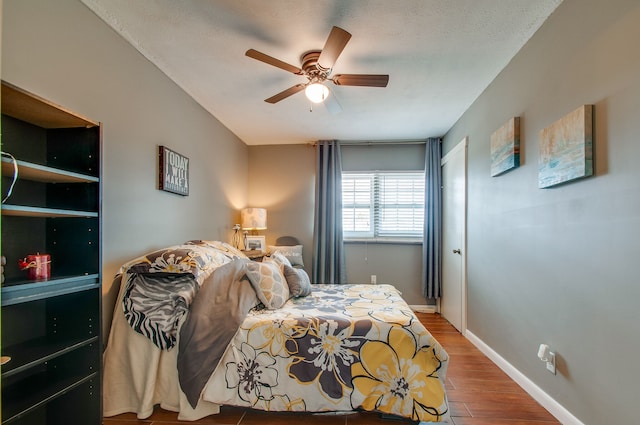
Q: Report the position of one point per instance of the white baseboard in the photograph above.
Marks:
(556, 409)
(423, 308)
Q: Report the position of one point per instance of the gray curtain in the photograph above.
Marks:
(328, 248)
(431, 247)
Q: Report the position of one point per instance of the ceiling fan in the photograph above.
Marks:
(317, 66)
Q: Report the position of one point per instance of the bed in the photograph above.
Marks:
(325, 348)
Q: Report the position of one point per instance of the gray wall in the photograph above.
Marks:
(282, 179)
(557, 266)
(61, 51)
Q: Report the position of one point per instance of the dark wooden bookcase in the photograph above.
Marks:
(51, 328)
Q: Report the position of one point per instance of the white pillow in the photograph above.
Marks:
(293, 253)
(280, 258)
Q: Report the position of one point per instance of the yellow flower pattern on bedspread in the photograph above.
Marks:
(343, 347)
(398, 377)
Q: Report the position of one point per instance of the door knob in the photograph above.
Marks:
(457, 251)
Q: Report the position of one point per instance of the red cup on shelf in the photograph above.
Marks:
(38, 266)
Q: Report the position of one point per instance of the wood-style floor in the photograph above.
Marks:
(479, 393)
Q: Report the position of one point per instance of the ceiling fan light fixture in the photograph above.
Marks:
(316, 92)
(316, 67)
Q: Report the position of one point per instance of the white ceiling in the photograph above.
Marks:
(440, 56)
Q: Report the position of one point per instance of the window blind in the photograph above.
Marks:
(386, 205)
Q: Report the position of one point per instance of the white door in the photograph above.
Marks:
(453, 303)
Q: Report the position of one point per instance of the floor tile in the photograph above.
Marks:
(495, 409)
(493, 421)
(458, 408)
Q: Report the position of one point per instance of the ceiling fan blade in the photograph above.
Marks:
(367, 80)
(286, 93)
(273, 61)
(334, 45)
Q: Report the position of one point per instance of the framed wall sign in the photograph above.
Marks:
(174, 171)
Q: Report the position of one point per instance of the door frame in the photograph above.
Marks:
(462, 145)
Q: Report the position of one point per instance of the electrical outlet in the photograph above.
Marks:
(551, 363)
(374, 279)
(549, 357)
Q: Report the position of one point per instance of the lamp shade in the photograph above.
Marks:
(253, 218)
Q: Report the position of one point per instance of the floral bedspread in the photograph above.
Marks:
(343, 347)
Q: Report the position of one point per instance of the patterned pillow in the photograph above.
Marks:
(279, 258)
(298, 281)
(293, 253)
(269, 283)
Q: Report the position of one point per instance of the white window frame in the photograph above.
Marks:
(369, 198)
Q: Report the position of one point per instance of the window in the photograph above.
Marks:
(383, 205)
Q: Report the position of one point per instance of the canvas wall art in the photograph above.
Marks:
(505, 147)
(566, 148)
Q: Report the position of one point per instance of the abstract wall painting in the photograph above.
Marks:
(505, 147)
(566, 148)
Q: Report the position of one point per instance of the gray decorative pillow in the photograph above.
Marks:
(293, 253)
(269, 283)
(298, 281)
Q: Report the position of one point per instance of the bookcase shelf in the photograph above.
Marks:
(39, 351)
(41, 173)
(24, 290)
(26, 211)
(51, 327)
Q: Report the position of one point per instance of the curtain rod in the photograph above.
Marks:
(380, 142)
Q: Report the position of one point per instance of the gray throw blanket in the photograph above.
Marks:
(222, 303)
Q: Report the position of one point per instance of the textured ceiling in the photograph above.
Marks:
(440, 56)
